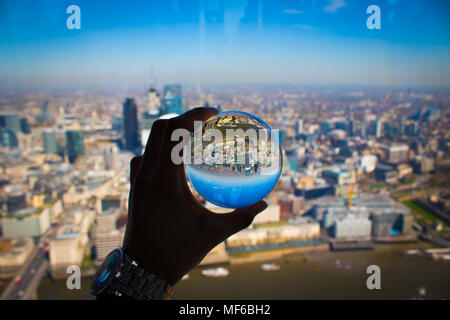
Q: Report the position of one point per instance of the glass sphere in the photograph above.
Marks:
(235, 159)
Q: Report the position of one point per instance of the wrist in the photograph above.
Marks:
(152, 263)
(121, 276)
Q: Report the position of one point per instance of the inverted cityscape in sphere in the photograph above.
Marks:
(235, 160)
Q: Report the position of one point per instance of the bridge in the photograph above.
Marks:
(30, 274)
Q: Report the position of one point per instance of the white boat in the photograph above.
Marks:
(185, 277)
(215, 273)
(422, 291)
(270, 267)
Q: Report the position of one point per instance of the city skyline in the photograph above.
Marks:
(303, 42)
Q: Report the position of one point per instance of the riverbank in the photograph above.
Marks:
(305, 275)
(264, 255)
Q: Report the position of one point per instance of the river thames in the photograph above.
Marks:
(306, 276)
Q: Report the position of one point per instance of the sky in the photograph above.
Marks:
(313, 42)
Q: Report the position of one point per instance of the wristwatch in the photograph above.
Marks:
(119, 275)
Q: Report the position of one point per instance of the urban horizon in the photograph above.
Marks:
(357, 94)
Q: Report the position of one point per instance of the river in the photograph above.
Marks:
(306, 276)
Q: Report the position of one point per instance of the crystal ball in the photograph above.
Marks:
(235, 159)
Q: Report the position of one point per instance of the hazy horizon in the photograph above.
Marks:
(310, 43)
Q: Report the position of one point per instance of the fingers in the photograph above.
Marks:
(159, 144)
(186, 121)
(240, 218)
(153, 146)
(134, 167)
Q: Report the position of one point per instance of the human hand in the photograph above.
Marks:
(168, 231)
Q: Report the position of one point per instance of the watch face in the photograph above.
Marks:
(106, 272)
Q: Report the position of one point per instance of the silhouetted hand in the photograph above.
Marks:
(168, 231)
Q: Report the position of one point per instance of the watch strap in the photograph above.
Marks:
(134, 282)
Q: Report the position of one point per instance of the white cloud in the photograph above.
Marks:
(306, 27)
(293, 11)
(334, 5)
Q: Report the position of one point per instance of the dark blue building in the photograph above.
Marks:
(131, 127)
(173, 99)
(74, 144)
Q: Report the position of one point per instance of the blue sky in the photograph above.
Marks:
(271, 41)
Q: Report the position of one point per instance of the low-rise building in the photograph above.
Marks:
(13, 254)
(351, 227)
(385, 173)
(28, 222)
(270, 214)
(274, 235)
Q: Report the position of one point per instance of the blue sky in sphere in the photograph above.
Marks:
(321, 42)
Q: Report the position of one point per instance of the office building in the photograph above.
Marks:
(338, 176)
(270, 214)
(25, 126)
(275, 235)
(11, 122)
(28, 222)
(328, 203)
(342, 125)
(351, 227)
(422, 164)
(299, 127)
(385, 173)
(106, 242)
(74, 144)
(363, 129)
(154, 102)
(325, 127)
(50, 142)
(131, 127)
(13, 255)
(397, 153)
(173, 102)
(110, 157)
(378, 128)
(8, 138)
(392, 223)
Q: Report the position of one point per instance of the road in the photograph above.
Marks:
(30, 273)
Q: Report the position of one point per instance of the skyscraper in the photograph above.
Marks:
(343, 125)
(363, 129)
(173, 99)
(131, 130)
(24, 126)
(154, 102)
(8, 138)
(75, 144)
(325, 127)
(377, 128)
(299, 126)
(350, 129)
(10, 121)
(110, 157)
(50, 142)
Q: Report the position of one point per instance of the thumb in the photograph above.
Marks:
(241, 218)
(134, 168)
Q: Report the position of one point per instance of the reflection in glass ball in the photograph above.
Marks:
(235, 159)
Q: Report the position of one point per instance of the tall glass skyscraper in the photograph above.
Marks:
(50, 142)
(8, 138)
(173, 99)
(74, 144)
(131, 128)
(10, 121)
